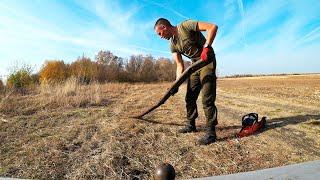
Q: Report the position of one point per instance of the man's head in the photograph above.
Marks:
(163, 28)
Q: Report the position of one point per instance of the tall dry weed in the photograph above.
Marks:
(71, 94)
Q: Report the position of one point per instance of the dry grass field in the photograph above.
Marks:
(85, 132)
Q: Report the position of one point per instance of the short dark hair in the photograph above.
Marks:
(162, 21)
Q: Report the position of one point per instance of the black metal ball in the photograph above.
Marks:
(165, 171)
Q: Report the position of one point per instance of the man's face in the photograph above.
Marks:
(163, 31)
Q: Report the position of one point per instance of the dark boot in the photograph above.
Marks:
(209, 138)
(188, 129)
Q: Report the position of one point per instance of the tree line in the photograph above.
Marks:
(106, 67)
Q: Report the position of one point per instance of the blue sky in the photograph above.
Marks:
(257, 37)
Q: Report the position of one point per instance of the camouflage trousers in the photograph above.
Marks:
(203, 80)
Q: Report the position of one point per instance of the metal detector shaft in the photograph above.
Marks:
(184, 76)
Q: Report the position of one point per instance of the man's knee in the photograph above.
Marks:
(208, 101)
(189, 100)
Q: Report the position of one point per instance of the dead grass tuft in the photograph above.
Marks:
(71, 94)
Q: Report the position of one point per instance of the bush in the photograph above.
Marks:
(133, 68)
(84, 70)
(53, 71)
(147, 71)
(101, 73)
(1, 86)
(35, 79)
(20, 79)
(111, 66)
(138, 68)
(165, 69)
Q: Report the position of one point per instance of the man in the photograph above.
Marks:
(186, 39)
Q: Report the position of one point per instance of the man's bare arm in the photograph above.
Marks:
(180, 65)
(211, 31)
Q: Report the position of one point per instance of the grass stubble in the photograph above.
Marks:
(85, 131)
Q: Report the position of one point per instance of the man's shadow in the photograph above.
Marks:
(150, 120)
(274, 124)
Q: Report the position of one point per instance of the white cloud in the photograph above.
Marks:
(167, 8)
(230, 7)
(280, 50)
(311, 36)
(37, 37)
(122, 33)
(257, 15)
(243, 29)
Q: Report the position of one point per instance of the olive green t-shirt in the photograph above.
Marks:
(189, 41)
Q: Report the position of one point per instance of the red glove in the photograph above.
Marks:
(204, 53)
